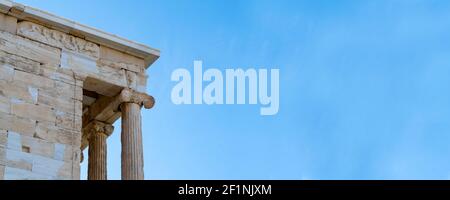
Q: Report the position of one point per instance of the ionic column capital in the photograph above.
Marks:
(130, 96)
(98, 132)
(97, 127)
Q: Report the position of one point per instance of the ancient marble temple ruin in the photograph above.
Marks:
(62, 86)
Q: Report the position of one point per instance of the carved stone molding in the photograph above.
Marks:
(57, 39)
(122, 65)
(131, 80)
(97, 127)
(128, 95)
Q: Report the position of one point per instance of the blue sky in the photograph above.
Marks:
(363, 87)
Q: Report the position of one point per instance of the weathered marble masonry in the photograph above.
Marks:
(62, 86)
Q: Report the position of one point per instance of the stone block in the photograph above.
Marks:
(8, 23)
(23, 125)
(18, 92)
(60, 150)
(65, 90)
(76, 135)
(121, 65)
(76, 171)
(111, 75)
(142, 83)
(58, 74)
(20, 63)
(5, 121)
(17, 124)
(68, 121)
(46, 166)
(113, 55)
(78, 62)
(137, 81)
(132, 79)
(68, 152)
(29, 49)
(35, 112)
(76, 154)
(20, 174)
(57, 39)
(65, 172)
(5, 105)
(61, 103)
(2, 172)
(18, 159)
(102, 87)
(51, 133)
(6, 72)
(37, 146)
(3, 138)
(34, 80)
(14, 141)
(2, 156)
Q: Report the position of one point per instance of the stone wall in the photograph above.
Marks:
(42, 76)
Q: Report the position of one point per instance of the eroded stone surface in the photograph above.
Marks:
(78, 62)
(8, 23)
(114, 56)
(23, 47)
(57, 39)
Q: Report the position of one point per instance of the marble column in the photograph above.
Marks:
(98, 132)
(131, 138)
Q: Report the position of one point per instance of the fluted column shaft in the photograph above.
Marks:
(132, 151)
(131, 138)
(98, 134)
